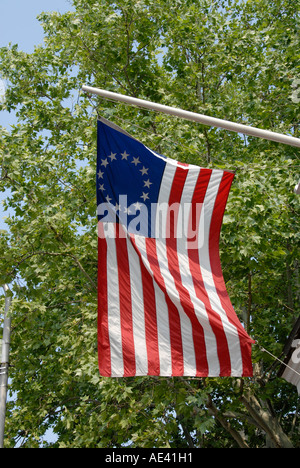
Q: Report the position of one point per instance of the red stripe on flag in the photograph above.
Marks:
(150, 321)
(174, 319)
(213, 317)
(216, 223)
(104, 358)
(194, 261)
(125, 303)
(185, 299)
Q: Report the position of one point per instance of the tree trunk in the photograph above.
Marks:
(266, 421)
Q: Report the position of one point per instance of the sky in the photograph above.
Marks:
(19, 25)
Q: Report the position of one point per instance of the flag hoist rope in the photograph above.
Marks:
(264, 350)
(204, 119)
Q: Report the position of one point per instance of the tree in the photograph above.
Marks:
(230, 59)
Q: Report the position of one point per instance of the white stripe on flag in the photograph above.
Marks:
(138, 317)
(205, 265)
(163, 327)
(114, 318)
(187, 275)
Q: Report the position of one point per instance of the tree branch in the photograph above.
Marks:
(56, 254)
(227, 426)
(266, 421)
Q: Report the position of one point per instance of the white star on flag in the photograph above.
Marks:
(147, 183)
(136, 161)
(104, 162)
(125, 155)
(144, 171)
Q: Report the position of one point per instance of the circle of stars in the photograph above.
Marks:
(144, 173)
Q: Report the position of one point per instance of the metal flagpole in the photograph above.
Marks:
(4, 364)
(204, 119)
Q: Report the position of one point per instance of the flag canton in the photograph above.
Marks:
(128, 180)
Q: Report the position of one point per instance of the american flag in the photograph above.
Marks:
(163, 305)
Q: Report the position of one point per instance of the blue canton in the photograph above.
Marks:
(128, 180)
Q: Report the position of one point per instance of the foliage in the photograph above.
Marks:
(232, 59)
